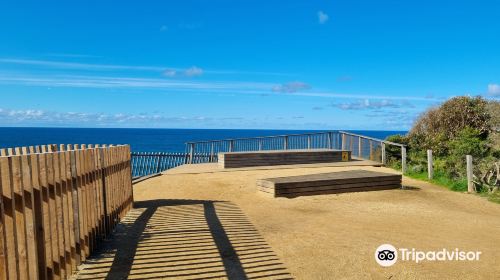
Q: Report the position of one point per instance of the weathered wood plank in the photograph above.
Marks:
(54, 223)
(45, 211)
(325, 183)
(16, 185)
(269, 158)
(8, 220)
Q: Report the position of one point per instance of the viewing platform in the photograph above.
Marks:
(74, 212)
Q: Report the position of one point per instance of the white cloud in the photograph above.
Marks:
(395, 119)
(322, 17)
(77, 65)
(170, 72)
(291, 87)
(33, 116)
(367, 104)
(118, 67)
(494, 89)
(175, 86)
(193, 71)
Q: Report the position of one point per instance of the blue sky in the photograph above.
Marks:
(242, 64)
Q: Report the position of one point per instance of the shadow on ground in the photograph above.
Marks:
(185, 239)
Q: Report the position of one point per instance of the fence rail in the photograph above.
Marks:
(57, 203)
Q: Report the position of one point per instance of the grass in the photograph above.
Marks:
(493, 197)
(441, 179)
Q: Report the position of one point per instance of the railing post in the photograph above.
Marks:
(470, 183)
(329, 139)
(403, 159)
(285, 143)
(231, 145)
(360, 150)
(343, 141)
(371, 149)
(212, 152)
(309, 141)
(430, 168)
(384, 156)
(191, 153)
(158, 163)
(260, 144)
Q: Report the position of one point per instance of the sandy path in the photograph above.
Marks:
(335, 236)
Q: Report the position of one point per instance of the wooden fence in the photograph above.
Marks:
(57, 203)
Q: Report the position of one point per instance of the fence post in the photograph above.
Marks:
(212, 152)
(403, 159)
(371, 150)
(260, 144)
(285, 143)
(359, 147)
(309, 141)
(384, 156)
(470, 183)
(329, 144)
(231, 145)
(158, 163)
(191, 153)
(343, 141)
(430, 166)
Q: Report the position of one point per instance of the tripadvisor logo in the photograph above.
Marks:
(387, 255)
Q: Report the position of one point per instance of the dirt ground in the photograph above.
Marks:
(314, 237)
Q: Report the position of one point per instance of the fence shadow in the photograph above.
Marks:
(185, 239)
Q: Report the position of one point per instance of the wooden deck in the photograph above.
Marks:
(214, 167)
(281, 157)
(329, 183)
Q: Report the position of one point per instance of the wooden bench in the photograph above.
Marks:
(284, 157)
(329, 183)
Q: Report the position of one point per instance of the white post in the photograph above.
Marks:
(212, 152)
(470, 183)
(384, 158)
(309, 141)
(430, 167)
(359, 147)
(191, 153)
(403, 159)
(285, 143)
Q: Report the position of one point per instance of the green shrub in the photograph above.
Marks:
(437, 126)
(469, 141)
(460, 126)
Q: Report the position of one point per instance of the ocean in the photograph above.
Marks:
(141, 140)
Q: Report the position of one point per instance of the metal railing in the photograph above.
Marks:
(362, 147)
(144, 164)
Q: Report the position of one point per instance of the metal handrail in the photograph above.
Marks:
(256, 143)
(257, 137)
(372, 138)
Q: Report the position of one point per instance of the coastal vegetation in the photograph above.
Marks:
(460, 126)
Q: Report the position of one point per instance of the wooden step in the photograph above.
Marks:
(328, 183)
(283, 157)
